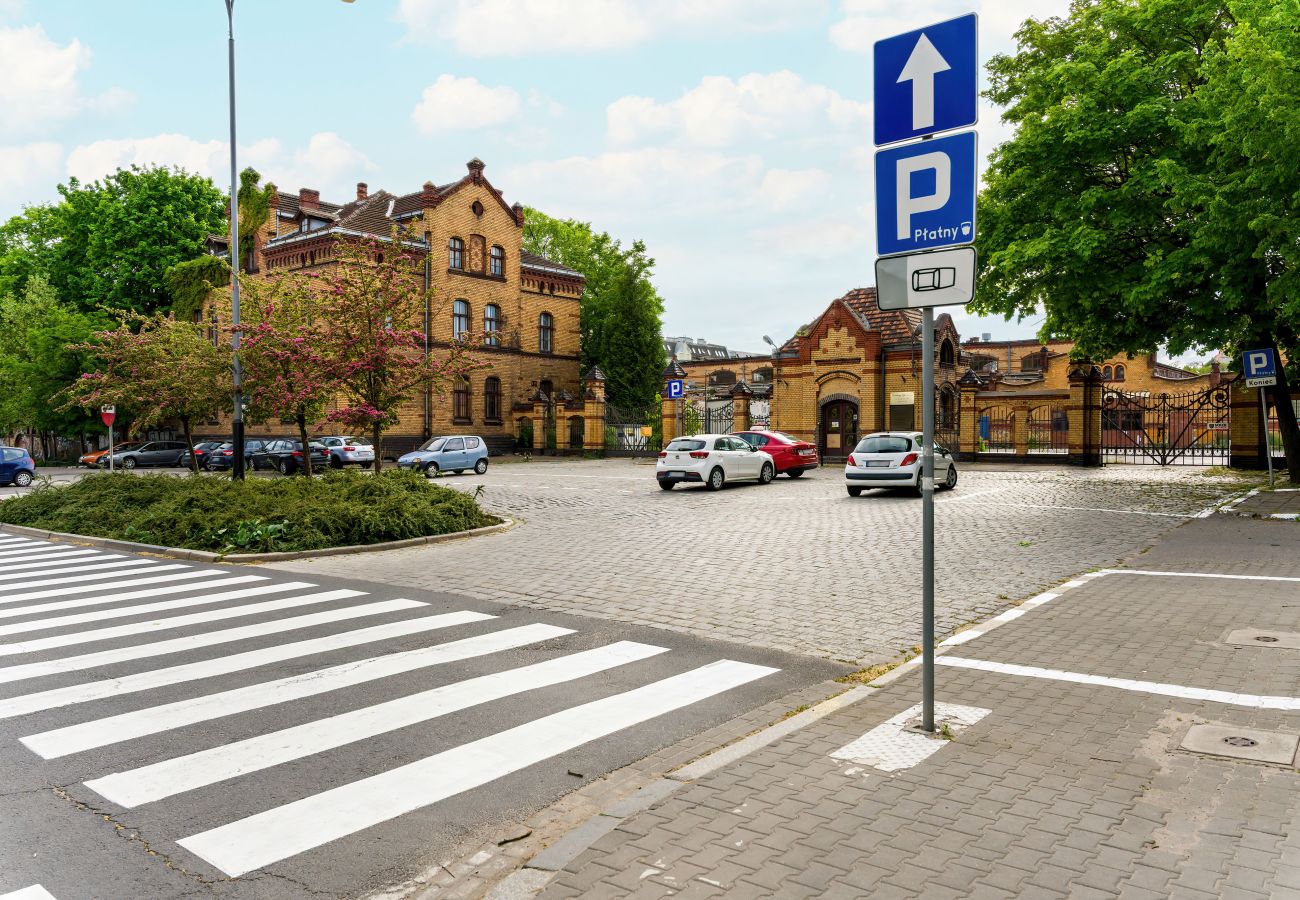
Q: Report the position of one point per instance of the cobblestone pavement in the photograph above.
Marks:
(1065, 789)
(796, 565)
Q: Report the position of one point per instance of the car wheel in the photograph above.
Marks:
(207, 467)
(129, 462)
(431, 470)
(282, 467)
(481, 466)
(716, 480)
(23, 479)
(335, 462)
(855, 492)
(951, 481)
(667, 485)
(795, 473)
(768, 473)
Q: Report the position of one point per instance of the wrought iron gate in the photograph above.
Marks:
(718, 416)
(1187, 429)
(630, 430)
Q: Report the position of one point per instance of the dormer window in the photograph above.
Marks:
(456, 254)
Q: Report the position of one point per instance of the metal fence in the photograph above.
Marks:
(1189, 428)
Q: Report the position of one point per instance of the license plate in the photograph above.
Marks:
(877, 463)
(676, 474)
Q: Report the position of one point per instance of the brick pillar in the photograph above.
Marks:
(669, 425)
(968, 440)
(1246, 428)
(539, 426)
(1020, 428)
(740, 397)
(593, 412)
(1084, 410)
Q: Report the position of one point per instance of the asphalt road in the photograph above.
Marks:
(170, 729)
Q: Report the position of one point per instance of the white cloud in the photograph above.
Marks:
(784, 189)
(463, 104)
(522, 27)
(25, 167)
(864, 22)
(720, 111)
(40, 86)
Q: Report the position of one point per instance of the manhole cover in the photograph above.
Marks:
(1266, 639)
(1239, 741)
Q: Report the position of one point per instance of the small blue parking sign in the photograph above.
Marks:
(925, 195)
(675, 389)
(1260, 367)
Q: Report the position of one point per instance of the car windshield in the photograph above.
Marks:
(359, 441)
(685, 444)
(885, 443)
(433, 444)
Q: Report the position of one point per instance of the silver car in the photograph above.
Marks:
(450, 453)
(348, 451)
(893, 459)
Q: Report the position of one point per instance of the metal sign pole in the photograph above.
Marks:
(927, 519)
(1268, 445)
(110, 446)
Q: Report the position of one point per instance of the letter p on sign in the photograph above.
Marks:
(907, 205)
(1257, 361)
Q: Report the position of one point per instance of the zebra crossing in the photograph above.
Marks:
(158, 682)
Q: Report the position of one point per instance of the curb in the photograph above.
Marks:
(205, 556)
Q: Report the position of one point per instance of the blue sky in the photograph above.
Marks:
(733, 136)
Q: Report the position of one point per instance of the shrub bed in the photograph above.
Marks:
(254, 516)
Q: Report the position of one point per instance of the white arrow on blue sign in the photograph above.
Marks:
(925, 195)
(926, 80)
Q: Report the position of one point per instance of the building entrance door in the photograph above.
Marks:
(838, 431)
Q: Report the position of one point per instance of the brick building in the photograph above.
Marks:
(1032, 363)
(481, 283)
(857, 369)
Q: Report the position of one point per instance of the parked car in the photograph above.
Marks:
(149, 453)
(893, 459)
(223, 458)
(713, 460)
(450, 453)
(16, 466)
(348, 451)
(285, 455)
(94, 456)
(202, 450)
(792, 456)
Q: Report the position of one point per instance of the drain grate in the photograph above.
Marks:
(1266, 639)
(1237, 740)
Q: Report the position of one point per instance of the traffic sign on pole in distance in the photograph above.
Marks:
(917, 280)
(1260, 367)
(925, 195)
(675, 389)
(926, 80)
(108, 414)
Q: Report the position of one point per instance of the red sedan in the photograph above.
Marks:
(792, 456)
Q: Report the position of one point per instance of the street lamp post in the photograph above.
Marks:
(237, 423)
(771, 397)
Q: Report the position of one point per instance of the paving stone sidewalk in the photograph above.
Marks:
(1283, 502)
(1065, 789)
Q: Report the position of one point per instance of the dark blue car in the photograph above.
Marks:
(16, 466)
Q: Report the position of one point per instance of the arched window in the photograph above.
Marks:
(1106, 374)
(498, 262)
(460, 400)
(492, 400)
(492, 326)
(460, 320)
(456, 254)
(546, 333)
(947, 356)
(1119, 373)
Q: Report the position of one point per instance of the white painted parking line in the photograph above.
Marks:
(122, 612)
(8, 566)
(35, 892)
(224, 665)
(108, 586)
(288, 830)
(186, 773)
(167, 623)
(207, 639)
(104, 599)
(155, 719)
(125, 567)
(1097, 509)
(1282, 578)
(1254, 701)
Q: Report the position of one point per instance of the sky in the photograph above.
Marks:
(732, 136)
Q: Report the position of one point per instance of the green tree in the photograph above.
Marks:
(27, 242)
(1148, 196)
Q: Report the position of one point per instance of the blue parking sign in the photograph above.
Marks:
(925, 195)
(926, 80)
(675, 389)
(1260, 367)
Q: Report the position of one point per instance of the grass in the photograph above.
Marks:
(871, 673)
(258, 515)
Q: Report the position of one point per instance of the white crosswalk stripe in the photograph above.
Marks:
(8, 558)
(8, 566)
(105, 599)
(124, 568)
(33, 546)
(35, 892)
(123, 612)
(106, 586)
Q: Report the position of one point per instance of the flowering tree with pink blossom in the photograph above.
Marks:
(155, 368)
(371, 307)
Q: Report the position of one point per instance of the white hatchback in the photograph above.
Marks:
(713, 460)
(893, 459)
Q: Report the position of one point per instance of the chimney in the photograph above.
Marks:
(308, 199)
(518, 210)
(429, 194)
(363, 191)
(476, 167)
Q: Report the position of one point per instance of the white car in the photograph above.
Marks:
(893, 459)
(712, 460)
(348, 451)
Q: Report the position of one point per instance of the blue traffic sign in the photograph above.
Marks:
(1260, 367)
(926, 80)
(675, 389)
(925, 195)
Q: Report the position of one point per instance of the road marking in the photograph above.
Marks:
(1254, 701)
(108, 586)
(152, 720)
(1285, 578)
(140, 565)
(223, 665)
(1125, 512)
(122, 612)
(195, 770)
(81, 557)
(892, 745)
(47, 552)
(168, 622)
(35, 892)
(288, 830)
(207, 639)
(128, 595)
